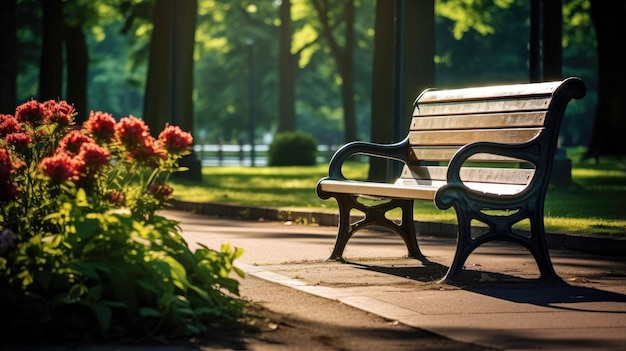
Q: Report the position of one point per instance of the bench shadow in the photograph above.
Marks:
(535, 291)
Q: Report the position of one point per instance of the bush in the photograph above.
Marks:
(83, 252)
(293, 149)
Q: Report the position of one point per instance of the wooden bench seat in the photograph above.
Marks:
(473, 149)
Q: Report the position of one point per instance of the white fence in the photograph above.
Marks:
(242, 155)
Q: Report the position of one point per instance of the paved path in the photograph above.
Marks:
(499, 301)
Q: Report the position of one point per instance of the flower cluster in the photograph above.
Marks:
(82, 248)
(118, 163)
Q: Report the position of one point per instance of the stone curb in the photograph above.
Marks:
(592, 244)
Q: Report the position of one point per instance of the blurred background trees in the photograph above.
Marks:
(313, 61)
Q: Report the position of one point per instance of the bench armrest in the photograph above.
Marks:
(397, 151)
(526, 152)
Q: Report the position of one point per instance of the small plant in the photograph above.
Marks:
(292, 149)
(83, 252)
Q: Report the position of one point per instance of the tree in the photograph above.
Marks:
(382, 85)
(169, 85)
(77, 15)
(343, 56)
(552, 40)
(51, 61)
(417, 72)
(8, 57)
(610, 117)
(287, 68)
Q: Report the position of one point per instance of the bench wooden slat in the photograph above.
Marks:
(462, 137)
(425, 191)
(500, 91)
(410, 188)
(473, 107)
(471, 174)
(479, 121)
(431, 153)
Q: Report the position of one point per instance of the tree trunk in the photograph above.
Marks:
(77, 70)
(418, 73)
(552, 40)
(8, 57)
(169, 85)
(51, 67)
(610, 121)
(382, 86)
(287, 67)
(419, 53)
(346, 70)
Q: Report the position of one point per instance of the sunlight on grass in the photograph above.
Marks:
(594, 204)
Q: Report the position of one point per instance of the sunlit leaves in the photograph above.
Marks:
(470, 14)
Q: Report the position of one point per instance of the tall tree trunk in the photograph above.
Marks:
(168, 97)
(346, 70)
(8, 57)
(77, 58)
(418, 73)
(552, 40)
(287, 67)
(382, 85)
(610, 120)
(51, 67)
(169, 85)
(419, 52)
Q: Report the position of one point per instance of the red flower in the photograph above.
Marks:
(19, 139)
(101, 126)
(160, 191)
(94, 156)
(175, 140)
(147, 151)
(73, 140)
(6, 165)
(8, 189)
(31, 112)
(61, 167)
(8, 125)
(116, 198)
(60, 112)
(131, 131)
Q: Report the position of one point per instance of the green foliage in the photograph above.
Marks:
(109, 275)
(292, 149)
(493, 48)
(83, 252)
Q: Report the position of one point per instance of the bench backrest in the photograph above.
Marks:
(445, 120)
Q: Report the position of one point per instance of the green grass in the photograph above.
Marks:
(594, 204)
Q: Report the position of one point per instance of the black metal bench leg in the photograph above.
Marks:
(538, 247)
(345, 204)
(374, 215)
(464, 247)
(407, 232)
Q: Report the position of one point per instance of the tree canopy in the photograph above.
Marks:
(476, 42)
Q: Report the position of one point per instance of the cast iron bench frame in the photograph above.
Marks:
(452, 131)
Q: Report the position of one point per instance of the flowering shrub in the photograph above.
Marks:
(83, 251)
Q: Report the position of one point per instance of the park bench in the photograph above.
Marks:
(485, 151)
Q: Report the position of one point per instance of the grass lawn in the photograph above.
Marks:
(594, 204)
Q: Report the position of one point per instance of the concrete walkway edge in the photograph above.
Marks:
(592, 244)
